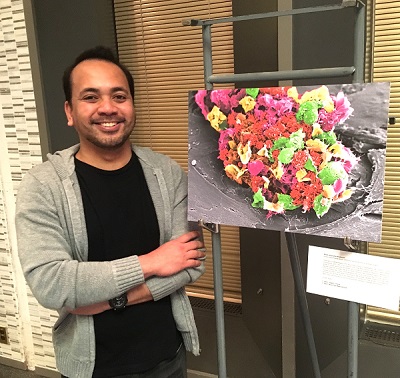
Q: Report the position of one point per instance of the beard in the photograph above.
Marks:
(109, 143)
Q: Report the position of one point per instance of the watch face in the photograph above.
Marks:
(119, 303)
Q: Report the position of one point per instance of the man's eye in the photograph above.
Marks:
(90, 98)
(120, 98)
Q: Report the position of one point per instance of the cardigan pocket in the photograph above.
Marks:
(61, 323)
(182, 311)
(184, 319)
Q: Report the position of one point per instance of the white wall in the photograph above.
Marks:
(38, 39)
(28, 325)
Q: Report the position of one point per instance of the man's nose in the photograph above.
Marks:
(107, 106)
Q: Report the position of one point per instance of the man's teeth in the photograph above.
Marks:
(108, 124)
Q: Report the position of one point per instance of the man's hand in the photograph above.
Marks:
(173, 256)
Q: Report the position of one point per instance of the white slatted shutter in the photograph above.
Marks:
(385, 63)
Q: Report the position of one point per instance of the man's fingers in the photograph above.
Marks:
(192, 263)
(195, 244)
(188, 243)
(188, 236)
(202, 257)
(195, 255)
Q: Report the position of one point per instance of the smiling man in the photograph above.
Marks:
(103, 237)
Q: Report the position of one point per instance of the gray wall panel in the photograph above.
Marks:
(63, 30)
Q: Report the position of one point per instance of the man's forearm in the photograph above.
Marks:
(167, 260)
(138, 294)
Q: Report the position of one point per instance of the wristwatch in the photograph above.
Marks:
(118, 303)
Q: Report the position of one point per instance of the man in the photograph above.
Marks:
(103, 237)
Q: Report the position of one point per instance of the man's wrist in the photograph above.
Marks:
(119, 303)
(145, 264)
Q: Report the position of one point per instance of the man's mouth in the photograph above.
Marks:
(108, 124)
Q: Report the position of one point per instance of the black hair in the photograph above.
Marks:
(96, 53)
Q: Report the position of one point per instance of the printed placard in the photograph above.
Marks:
(356, 277)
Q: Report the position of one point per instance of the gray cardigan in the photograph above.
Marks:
(53, 250)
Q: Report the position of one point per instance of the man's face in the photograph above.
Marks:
(101, 108)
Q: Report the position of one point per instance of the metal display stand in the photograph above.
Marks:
(219, 295)
(357, 70)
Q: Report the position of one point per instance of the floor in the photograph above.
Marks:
(375, 361)
(9, 372)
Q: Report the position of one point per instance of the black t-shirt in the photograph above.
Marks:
(121, 221)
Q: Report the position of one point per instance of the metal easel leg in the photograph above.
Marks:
(352, 354)
(214, 228)
(301, 296)
(219, 297)
(352, 323)
(354, 308)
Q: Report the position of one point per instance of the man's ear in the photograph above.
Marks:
(68, 113)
